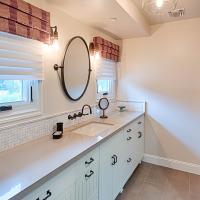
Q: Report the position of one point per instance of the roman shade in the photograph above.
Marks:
(20, 58)
(106, 49)
(21, 18)
(105, 69)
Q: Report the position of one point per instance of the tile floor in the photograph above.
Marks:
(151, 182)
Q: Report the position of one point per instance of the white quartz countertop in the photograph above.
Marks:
(25, 165)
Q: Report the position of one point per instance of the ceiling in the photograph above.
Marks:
(121, 19)
(192, 10)
(98, 13)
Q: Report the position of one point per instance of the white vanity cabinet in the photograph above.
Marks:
(102, 172)
(133, 147)
(78, 181)
(119, 156)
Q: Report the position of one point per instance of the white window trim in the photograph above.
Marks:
(24, 111)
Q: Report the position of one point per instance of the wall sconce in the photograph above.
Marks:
(94, 53)
(54, 37)
(91, 49)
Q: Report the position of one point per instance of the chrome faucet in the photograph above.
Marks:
(86, 105)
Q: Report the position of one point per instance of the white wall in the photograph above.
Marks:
(54, 99)
(164, 70)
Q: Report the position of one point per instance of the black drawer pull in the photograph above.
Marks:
(114, 157)
(89, 162)
(139, 134)
(129, 138)
(48, 195)
(113, 163)
(139, 122)
(89, 175)
(129, 130)
(129, 160)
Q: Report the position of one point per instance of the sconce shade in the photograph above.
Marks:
(106, 49)
(23, 19)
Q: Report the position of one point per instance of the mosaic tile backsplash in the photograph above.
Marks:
(23, 133)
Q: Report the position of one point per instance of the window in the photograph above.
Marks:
(106, 78)
(13, 91)
(105, 87)
(16, 92)
(21, 73)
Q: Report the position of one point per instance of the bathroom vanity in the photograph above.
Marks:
(78, 166)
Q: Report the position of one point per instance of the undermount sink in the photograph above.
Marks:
(92, 129)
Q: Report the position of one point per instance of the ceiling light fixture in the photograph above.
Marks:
(158, 7)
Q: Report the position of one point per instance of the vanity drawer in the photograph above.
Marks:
(59, 186)
(134, 125)
(90, 159)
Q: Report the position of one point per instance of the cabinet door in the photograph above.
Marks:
(111, 167)
(67, 194)
(118, 169)
(87, 182)
(87, 185)
(106, 170)
(140, 143)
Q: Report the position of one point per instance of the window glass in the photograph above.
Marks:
(103, 86)
(106, 87)
(11, 91)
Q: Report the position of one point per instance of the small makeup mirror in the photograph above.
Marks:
(103, 105)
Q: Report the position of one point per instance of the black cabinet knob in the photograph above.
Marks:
(129, 138)
(129, 130)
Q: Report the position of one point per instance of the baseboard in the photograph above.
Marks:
(174, 164)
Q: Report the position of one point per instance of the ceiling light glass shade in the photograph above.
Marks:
(158, 7)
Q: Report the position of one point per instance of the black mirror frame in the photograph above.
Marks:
(56, 67)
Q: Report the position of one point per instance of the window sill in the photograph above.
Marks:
(12, 117)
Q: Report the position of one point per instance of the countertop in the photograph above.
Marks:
(27, 164)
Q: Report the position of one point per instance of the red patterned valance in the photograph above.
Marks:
(21, 18)
(106, 49)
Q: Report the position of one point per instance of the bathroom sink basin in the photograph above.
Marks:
(92, 129)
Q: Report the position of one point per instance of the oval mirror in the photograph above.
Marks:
(76, 68)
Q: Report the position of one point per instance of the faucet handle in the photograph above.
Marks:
(80, 114)
(70, 117)
(75, 116)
